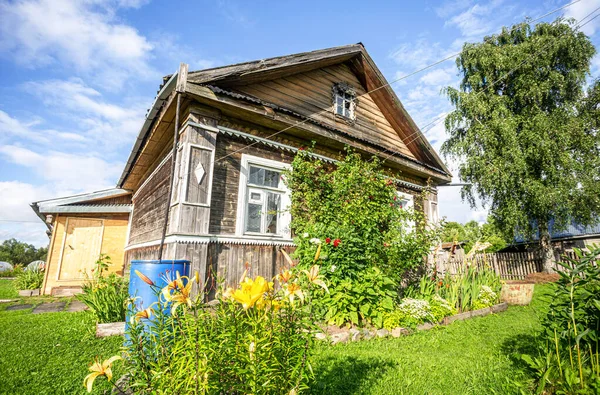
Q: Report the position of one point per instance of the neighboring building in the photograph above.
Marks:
(239, 128)
(574, 236)
(81, 228)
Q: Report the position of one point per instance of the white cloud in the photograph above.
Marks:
(439, 76)
(580, 10)
(476, 21)
(11, 128)
(99, 122)
(82, 34)
(18, 219)
(452, 7)
(418, 53)
(68, 172)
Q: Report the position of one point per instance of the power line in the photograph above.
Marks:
(323, 110)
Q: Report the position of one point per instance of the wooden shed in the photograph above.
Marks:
(81, 228)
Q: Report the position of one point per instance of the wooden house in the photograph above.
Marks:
(237, 127)
(81, 228)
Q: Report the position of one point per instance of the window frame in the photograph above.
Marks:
(284, 217)
(410, 203)
(345, 90)
(188, 174)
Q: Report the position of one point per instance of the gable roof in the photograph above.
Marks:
(222, 79)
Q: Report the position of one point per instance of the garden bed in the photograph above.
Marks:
(336, 334)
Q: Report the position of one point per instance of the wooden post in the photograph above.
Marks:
(180, 88)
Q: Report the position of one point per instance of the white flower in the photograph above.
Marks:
(315, 240)
(305, 235)
(333, 267)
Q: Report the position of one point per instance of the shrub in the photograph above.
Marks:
(364, 300)
(18, 269)
(351, 213)
(105, 295)
(253, 340)
(471, 289)
(569, 360)
(29, 279)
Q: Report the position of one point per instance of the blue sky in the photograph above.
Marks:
(76, 77)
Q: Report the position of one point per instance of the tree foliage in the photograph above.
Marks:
(18, 253)
(472, 231)
(524, 129)
(350, 212)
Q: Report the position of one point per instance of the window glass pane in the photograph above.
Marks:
(254, 216)
(273, 207)
(263, 177)
(339, 104)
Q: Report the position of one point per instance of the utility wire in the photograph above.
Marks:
(323, 110)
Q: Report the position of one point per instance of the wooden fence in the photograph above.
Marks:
(509, 265)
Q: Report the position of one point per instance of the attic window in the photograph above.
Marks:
(344, 101)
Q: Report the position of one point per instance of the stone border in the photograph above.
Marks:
(343, 335)
(29, 292)
(110, 329)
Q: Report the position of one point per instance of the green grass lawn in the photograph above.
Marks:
(50, 353)
(7, 290)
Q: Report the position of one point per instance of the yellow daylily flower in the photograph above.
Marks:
(313, 277)
(251, 291)
(284, 276)
(99, 369)
(178, 292)
(292, 291)
(146, 313)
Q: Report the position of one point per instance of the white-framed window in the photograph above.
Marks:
(434, 217)
(263, 200)
(406, 201)
(344, 101)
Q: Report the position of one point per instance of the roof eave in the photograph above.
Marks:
(159, 100)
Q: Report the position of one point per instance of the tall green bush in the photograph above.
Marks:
(352, 213)
(29, 279)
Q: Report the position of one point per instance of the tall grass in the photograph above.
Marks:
(466, 290)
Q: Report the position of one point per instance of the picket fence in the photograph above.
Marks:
(509, 265)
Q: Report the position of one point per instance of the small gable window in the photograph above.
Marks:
(344, 100)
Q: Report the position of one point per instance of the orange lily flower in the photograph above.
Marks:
(146, 313)
(144, 278)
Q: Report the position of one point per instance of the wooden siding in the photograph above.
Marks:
(150, 202)
(227, 180)
(222, 261)
(311, 92)
(113, 243)
(190, 214)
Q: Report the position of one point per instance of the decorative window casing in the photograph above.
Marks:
(344, 101)
(406, 201)
(263, 200)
